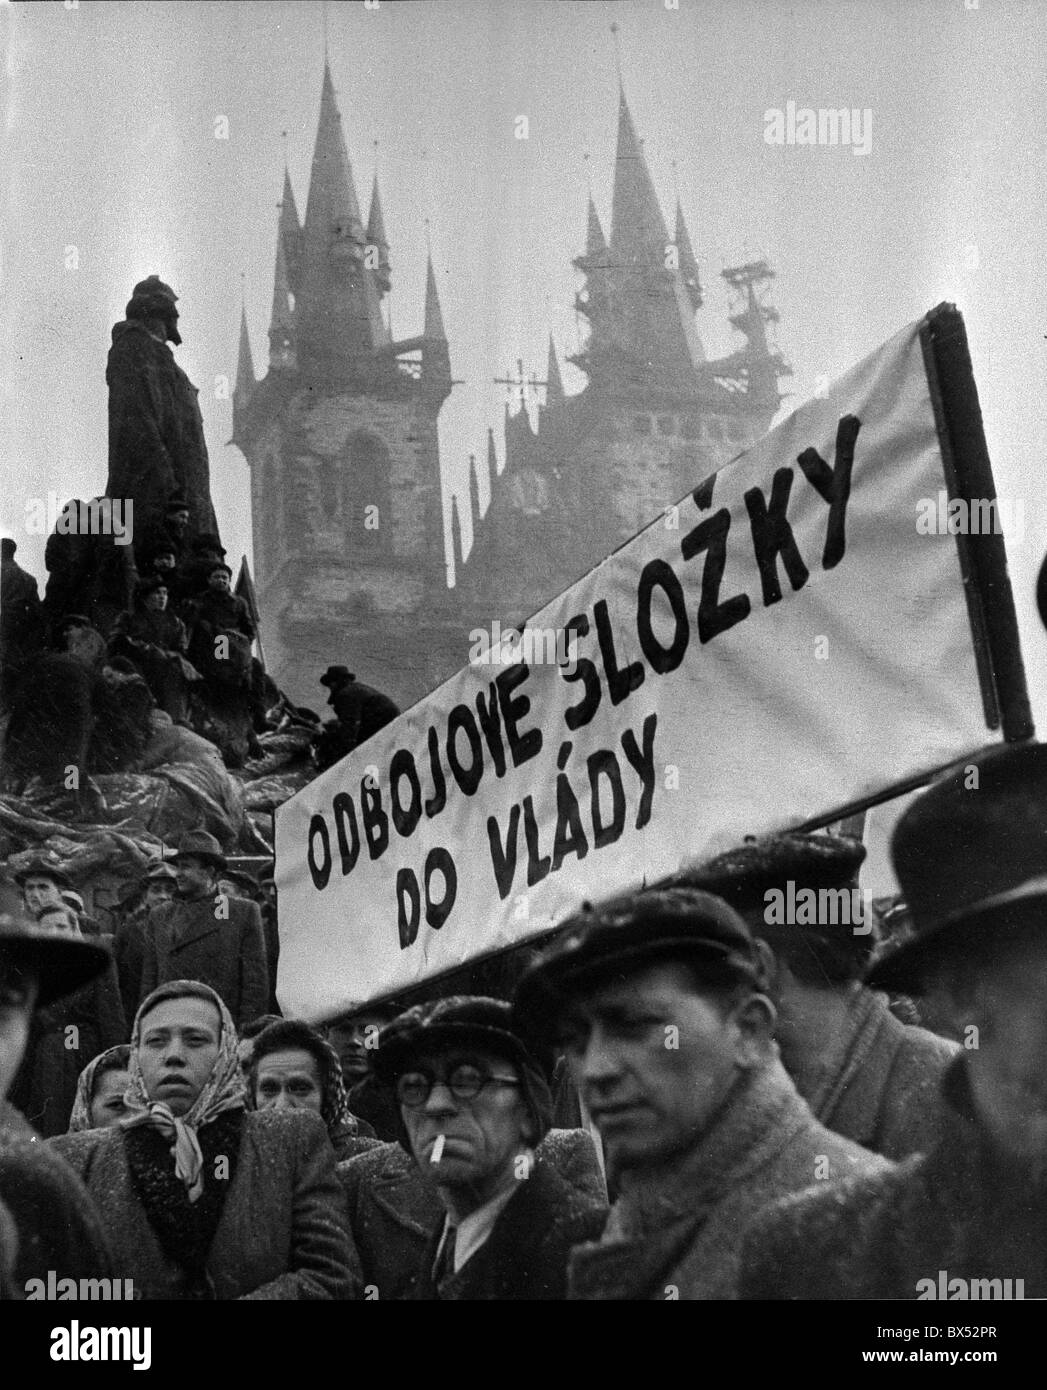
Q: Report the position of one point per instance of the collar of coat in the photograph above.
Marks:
(760, 1116)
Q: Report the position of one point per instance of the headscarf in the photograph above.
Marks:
(285, 1033)
(223, 1090)
(80, 1118)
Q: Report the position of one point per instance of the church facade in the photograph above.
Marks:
(341, 433)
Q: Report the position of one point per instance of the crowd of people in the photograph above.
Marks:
(679, 1095)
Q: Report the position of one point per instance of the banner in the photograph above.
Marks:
(791, 639)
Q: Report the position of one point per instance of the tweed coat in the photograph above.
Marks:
(880, 1084)
(394, 1212)
(57, 1224)
(185, 940)
(680, 1234)
(954, 1210)
(525, 1255)
(282, 1233)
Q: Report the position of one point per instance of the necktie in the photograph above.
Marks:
(445, 1260)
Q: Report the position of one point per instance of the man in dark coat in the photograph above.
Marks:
(156, 431)
(657, 1001)
(395, 1210)
(21, 617)
(205, 935)
(864, 1074)
(971, 857)
(65, 1036)
(155, 642)
(474, 1104)
(59, 1231)
(155, 889)
(360, 712)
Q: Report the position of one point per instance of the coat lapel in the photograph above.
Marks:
(191, 922)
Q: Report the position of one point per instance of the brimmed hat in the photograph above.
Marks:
(41, 868)
(198, 844)
(219, 565)
(150, 583)
(745, 875)
(968, 853)
(336, 675)
(627, 934)
(156, 872)
(245, 880)
(62, 962)
(466, 1021)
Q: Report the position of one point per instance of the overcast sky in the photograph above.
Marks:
(110, 148)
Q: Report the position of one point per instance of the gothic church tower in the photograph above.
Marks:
(341, 439)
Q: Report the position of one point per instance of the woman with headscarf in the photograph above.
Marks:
(204, 1199)
(99, 1100)
(291, 1067)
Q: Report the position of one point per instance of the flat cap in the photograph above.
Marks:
(627, 934)
(743, 876)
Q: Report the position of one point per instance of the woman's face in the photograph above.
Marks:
(107, 1104)
(288, 1080)
(177, 1050)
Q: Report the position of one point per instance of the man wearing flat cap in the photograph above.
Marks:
(657, 999)
(206, 935)
(57, 1227)
(970, 855)
(864, 1074)
(475, 1105)
(156, 432)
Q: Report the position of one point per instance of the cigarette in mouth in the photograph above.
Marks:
(438, 1149)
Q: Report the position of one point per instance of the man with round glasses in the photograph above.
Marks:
(474, 1103)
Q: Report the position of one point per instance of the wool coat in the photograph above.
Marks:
(186, 940)
(880, 1083)
(679, 1234)
(525, 1255)
(282, 1233)
(63, 1038)
(955, 1211)
(156, 431)
(59, 1229)
(394, 1212)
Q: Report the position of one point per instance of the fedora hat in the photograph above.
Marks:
(61, 962)
(198, 844)
(38, 867)
(335, 675)
(967, 853)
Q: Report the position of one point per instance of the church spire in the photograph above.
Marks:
(595, 245)
(638, 230)
(245, 377)
(688, 262)
(339, 315)
(281, 321)
(474, 495)
(457, 557)
(291, 234)
(376, 238)
(554, 392)
(434, 319)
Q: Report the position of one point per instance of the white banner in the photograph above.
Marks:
(788, 639)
